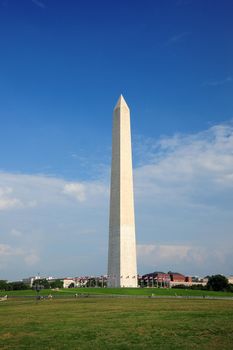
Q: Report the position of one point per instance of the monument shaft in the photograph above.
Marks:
(122, 265)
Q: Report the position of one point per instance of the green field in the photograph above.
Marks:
(121, 291)
(116, 323)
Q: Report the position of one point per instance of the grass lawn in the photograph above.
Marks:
(121, 291)
(116, 323)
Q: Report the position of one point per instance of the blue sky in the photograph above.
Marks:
(63, 65)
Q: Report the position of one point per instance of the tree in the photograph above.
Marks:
(56, 284)
(41, 282)
(217, 283)
(17, 286)
(3, 285)
(91, 282)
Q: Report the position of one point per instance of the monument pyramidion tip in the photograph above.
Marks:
(121, 103)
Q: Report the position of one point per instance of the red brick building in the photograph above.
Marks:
(178, 277)
(159, 279)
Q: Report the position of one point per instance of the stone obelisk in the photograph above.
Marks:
(122, 264)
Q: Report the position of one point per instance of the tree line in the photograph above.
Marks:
(7, 286)
(215, 283)
(19, 285)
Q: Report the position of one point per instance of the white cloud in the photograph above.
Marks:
(15, 233)
(184, 164)
(77, 190)
(5, 190)
(84, 191)
(32, 258)
(163, 252)
(6, 199)
(54, 227)
(7, 250)
(7, 203)
(182, 257)
(18, 255)
(170, 255)
(184, 193)
(220, 82)
(184, 203)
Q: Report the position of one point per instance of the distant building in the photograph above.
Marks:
(68, 282)
(29, 280)
(156, 279)
(196, 279)
(199, 280)
(230, 279)
(177, 277)
(76, 281)
(188, 279)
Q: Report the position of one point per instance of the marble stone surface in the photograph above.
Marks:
(122, 264)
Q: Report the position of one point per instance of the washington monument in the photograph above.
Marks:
(122, 264)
